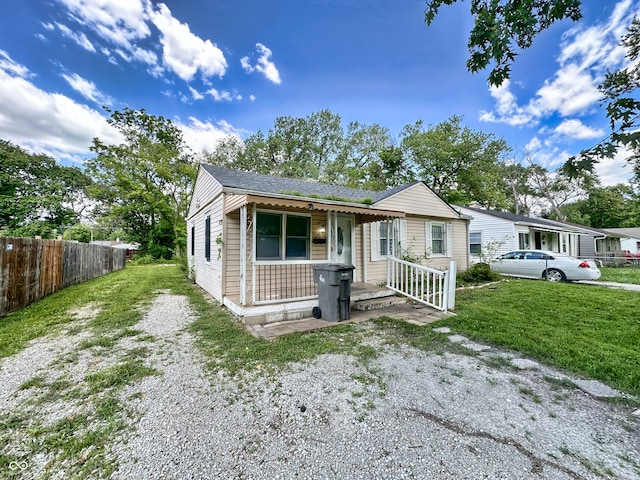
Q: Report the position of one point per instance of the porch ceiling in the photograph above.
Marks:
(365, 213)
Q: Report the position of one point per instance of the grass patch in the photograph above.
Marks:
(625, 274)
(590, 331)
(118, 293)
(119, 375)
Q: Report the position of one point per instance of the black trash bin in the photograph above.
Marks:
(334, 290)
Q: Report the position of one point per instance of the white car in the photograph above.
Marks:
(542, 264)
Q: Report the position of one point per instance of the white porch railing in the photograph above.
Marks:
(427, 285)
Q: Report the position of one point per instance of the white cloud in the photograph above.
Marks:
(10, 67)
(572, 91)
(196, 94)
(575, 129)
(613, 171)
(586, 54)
(185, 53)
(533, 145)
(264, 65)
(78, 37)
(88, 89)
(205, 135)
(119, 21)
(507, 109)
(218, 96)
(46, 122)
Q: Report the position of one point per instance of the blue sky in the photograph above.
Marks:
(228, 67)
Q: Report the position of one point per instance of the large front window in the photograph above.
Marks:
(282, 236)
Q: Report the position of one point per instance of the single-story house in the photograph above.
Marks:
(492, 233)
(596, 243)
(252, 239)
(630, 238)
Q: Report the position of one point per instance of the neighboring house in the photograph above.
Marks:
(131, 248)
(630, 238)
(493, 233)
(595, 243)
(252, 239)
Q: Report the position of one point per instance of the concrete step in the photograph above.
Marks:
(375, 303)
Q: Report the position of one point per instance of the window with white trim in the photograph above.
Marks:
(193, 240)
(207, 238)
(523, 241)
(438, 239)
(475, 243)
(388, 238)
(282, 236)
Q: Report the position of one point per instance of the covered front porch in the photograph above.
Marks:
(297, 309)
(272, 243)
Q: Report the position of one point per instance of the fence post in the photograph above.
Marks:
(451, 287)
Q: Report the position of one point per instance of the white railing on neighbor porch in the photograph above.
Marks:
(427, 285)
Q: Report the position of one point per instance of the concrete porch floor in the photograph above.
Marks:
(416, 314)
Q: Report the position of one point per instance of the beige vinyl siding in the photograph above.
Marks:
(418, 200)
(207, 274)
(232, 249)
(359, 271)
(205, 190)
(417, 248)
(232, 255)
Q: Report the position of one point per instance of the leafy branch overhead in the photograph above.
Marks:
(503, 28)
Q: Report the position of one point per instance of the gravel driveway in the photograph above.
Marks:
(404, 414)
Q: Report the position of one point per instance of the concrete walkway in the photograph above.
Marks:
(412, 313)
(621, 286)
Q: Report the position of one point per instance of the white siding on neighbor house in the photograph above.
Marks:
(631, 244)
(205, 190)
(207, 274)
(499, 232)
(418, 200)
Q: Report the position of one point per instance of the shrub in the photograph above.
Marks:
(476, 274)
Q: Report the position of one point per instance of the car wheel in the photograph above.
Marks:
(553, 275)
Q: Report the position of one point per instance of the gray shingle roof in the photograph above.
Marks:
(513, 217)
(255, 182)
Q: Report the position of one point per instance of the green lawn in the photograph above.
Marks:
(591, 331)
(626, 274)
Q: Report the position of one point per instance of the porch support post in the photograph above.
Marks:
(364, 251)
(327, 233)
(389, 233)
(451, 287)
(254, 234)
(243, 255)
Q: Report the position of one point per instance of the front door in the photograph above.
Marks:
(343, 252)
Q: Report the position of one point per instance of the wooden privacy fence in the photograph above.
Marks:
(31, 269)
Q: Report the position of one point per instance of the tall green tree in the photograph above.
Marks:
(614, 206)
(458, 163)
(144, 182)
(37, 195)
